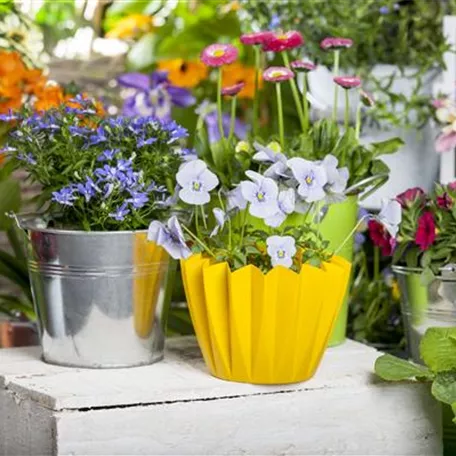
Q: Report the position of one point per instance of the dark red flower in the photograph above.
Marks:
(425, 234)
(381, 238)
(256, 38)
(279, 42)
(445, 201)
(408, 197)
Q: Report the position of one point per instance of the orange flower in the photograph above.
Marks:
(10, 97)
(132, 26)
(236, 73)
(50, 96)
(184, 73)
(34, 81)
(11, 67)
(2, 158)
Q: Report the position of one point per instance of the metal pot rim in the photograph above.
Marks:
(405, 270)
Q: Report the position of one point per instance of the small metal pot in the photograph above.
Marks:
(101, 297)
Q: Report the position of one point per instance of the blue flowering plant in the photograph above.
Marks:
(246, 224)
(97, 173)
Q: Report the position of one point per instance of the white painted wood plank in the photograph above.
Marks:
(376, 420)
(182, 376)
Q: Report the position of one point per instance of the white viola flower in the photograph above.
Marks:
(196, 181)
(170, 237)
(286, 202)
(311, 178)
(220, 219)
(268, 154)
(337, 177)
(281, 249)
(235, 199)
(390, 216)
(262, 195)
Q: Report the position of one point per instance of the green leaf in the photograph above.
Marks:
(10, 200)
(125, 8)
(444, 387)
(427, 276)
(142, 54)
(438, 349)
(390, 146)
(391, 368)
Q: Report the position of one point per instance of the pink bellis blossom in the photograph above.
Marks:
(216, 55)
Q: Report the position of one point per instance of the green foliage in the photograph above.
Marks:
(438, 348)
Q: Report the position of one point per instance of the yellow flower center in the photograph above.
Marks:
(218, 53)
(309, 180)
(282, 37)
(276, 74)
(196, 186)
(260, 196)
(281, 253)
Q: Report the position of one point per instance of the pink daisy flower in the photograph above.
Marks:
(233, 90)
(277, 74)
(445, 142)
(256, 38)
(303, 66)
(336, 43)
(279, 42)
(216, 55)
(348, 82)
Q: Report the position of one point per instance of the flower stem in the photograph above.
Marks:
(347, 110)
(201, 243)
(341, 246)
(358, 121)
(233, 119)
(376, 263)
(256, 98)
(336, 87)
(197, 222)
(219, 104)
(280, 115)
(203, 216)
(244, 222)
(294, 90)
(305, 104)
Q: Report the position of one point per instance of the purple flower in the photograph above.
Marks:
(220, 218)
(107, 173)
(311, 179)
(384, 10)
(145, 142)
(262, 195)
(281, 249)
(274, 22)
(196, 182)
(153, 187)
(154, 95)
(64, 196)
(286, 202)
(9, 117)
(87, 189)
(175, 130)
(98, 137)
(279, 166)
(121, 212)
(170, 237)
(108, 155)
(187, 154)
(27, 158)
(213, 131)
(78, 131)
(138, 199)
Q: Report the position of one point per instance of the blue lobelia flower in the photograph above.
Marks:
(170, 237)
(390, 216)
(153, 187)
(98, 137)
(262, 195)
(138, 199)
(107, 173)
(121, 212)
(311, 178)
(337, 178)
(141, 142)
(108, 154)
(88, 189)
(220, 218)
(79, 131)
(274, 22)
(286, 202)
(383, 10)
(175, 130)
(27, 158)
(187, 154)
(65, 196)
(9, 116)
(196, 181)
(281, 249)
(154, 95)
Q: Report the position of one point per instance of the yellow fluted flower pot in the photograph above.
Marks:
(263, 328)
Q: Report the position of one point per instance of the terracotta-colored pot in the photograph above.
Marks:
(17, 334)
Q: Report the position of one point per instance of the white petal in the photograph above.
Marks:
(209, 179)
(154, 229)
(189, 171)
(195, 198)
(275, 220)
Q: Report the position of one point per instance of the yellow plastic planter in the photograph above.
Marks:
(263, 328)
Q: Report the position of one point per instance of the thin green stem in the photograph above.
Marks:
(358, 121)
(197, 222)
(219, 104)
(336, 87)
(295, 92)
(233, 119)
(256, 98)
(244, 222)
(199, 241)
(376, 263)
(347, 110)
(352, 232)
(203, 216)
(305, 103)
(280, 116)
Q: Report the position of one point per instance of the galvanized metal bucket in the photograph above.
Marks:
(101, 297)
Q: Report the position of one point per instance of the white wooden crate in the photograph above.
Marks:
(176, 407)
